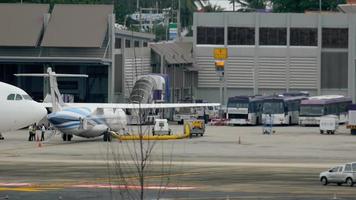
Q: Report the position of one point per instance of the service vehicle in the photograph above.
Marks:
(329, 124)
(183, 114)
(352, 119)
(161, 127)
(197, 127)
(342, 174)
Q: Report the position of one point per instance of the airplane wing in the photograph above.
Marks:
(136, 106)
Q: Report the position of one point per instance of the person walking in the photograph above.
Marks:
(43, 130)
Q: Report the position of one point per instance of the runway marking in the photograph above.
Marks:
(22, 189)
(28, 187)
(134, 187)
(15, 184)
(185, 163)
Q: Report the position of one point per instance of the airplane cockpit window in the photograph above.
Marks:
(27, 97)
(11, 97)
(18, 97)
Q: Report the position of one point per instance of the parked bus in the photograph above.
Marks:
(244, 110)
(282, 109)
(312, 109)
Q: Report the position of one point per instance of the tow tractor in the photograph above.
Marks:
(161, 127)
(197, 127)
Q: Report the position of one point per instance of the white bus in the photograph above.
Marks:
(244, 110)
(281, 109)
(312, 109)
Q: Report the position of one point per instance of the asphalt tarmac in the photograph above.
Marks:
(226, 163)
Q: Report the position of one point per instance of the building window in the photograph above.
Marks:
(145, 44)
(273, 36)
(241, 36)
(304, 37)
(128, 43)
(335, 38)
(210, 35)
(117, 43)
(137, 43)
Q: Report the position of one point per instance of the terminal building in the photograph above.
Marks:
(276, 52)
(78, 39)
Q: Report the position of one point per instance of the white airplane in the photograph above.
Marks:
(17, 109)
(92, 119)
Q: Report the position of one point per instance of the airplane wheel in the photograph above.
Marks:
(69, 137)
(64, 137)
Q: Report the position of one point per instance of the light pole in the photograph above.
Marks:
(320, 6)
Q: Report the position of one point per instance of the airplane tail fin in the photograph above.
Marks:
(56, 98)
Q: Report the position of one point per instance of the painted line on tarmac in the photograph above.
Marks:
(15, 184)
(28, 187)
(22, 189)
(179, 163)
(134, 187)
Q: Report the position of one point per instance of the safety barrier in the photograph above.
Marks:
(154, 137)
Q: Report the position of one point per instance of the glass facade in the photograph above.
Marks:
(273, 36)
(241, 36)
(335, 38)
(303, 36)
(210, 35)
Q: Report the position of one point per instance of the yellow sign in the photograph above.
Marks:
(219, 65)
(220, 53)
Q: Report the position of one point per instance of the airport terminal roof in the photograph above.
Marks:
(21, 24)
(174, 52)
(77, 26)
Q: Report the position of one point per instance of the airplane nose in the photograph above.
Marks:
(40, 111)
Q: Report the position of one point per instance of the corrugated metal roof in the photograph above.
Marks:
(347, 8)
(174, 52)
(21, 24)
(77, 26)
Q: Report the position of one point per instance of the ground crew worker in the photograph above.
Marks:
(30, 133)
(36, 133)
(43, 130)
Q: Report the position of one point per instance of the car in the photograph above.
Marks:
(341, 174)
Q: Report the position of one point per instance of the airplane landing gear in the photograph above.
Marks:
(1, 137)
(67, 137)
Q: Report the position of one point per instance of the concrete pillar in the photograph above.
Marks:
(320, 39)
(351, 59)
(256, 64)
(288, 52)
(111, 66)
